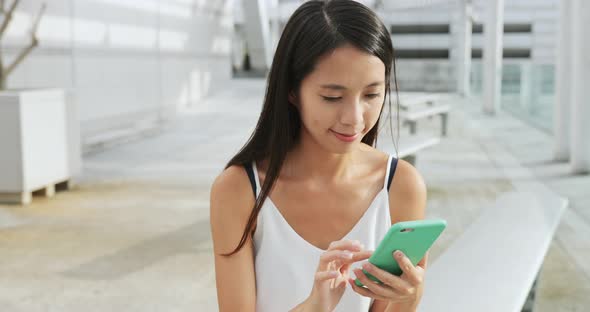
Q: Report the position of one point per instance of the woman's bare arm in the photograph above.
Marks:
(232, 200)
(407, 201)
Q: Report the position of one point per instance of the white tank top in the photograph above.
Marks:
(285, 263)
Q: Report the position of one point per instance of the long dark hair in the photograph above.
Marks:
(315, 28)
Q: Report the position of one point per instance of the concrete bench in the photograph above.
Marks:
(408, 146)
(494, 263)
(411, 117)
(411, 99)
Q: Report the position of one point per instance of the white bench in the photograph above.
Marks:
(418, 105)
(410, 99)
(494, 263)
(408, 146)
(411, 117)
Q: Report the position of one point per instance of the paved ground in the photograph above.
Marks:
(133, 235)
(565, 277)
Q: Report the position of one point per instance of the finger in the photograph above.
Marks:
(345, 267)
(398, 284)
(326, 275)
(356, 256)
(352, 245)
(410, 272)
(361, 255)
(377, 289)
(364, 291)
(327, 257)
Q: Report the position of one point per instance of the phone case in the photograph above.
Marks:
(413, 238)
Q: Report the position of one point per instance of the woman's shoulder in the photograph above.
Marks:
(233, 181)
(408, 177)
(407, 193)
(404, 171)
(231, 198)
(407, 190)
(233, 177)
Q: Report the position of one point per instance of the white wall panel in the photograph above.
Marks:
(124, 60)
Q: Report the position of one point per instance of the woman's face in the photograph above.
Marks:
(340, 100)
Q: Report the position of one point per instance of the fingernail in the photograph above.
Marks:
(366, 265)
(398, 254)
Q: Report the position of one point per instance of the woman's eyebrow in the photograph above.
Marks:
(339, 87)
(376, 83)
(333, 87)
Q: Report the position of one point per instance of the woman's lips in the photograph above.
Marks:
(345, 137)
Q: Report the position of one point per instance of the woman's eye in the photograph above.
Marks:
(373, 96)
(331, 99)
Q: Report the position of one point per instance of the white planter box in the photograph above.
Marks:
(37, 143)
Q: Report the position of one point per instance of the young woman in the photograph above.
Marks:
(308, 197)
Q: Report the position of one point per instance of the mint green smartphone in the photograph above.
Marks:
(413, 238)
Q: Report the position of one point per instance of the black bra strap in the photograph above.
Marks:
(250, 172)
(392, 167)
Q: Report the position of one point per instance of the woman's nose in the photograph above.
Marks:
(352, 114)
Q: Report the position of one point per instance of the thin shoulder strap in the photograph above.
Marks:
(250, 172)
(391, 171)
(392, 165)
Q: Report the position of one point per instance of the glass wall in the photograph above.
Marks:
(528, 90)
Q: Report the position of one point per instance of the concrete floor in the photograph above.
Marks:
(133, 235)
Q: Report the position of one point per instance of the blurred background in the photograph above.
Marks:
(116, 116)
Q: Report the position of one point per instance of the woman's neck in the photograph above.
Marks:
(320, 164)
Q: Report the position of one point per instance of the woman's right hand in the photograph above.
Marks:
(332, 274)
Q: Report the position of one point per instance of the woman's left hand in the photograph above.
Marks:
(398, 289)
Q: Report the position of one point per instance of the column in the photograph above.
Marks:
(527, 83)
(492, 55)
(462, 33)
(580, 110)
(256, 22)
(275, 27)
(563, 87)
